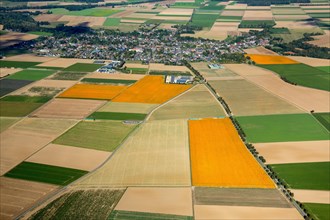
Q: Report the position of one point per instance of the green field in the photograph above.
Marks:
(68, 75)
(212, 5)
(99, 135)
(204, 20)
(280, 128)
(127, 215)
(324, 68)
(296, 34)
(25, 98)
(320, 15)
(7, 122)
(17, 109)
(302, 74)
(117, 116)
(40, 33)
(83, 67)
(32, 75)
(45, 173)
(323, 118)
(96, 12)
(81, 204)
(318, 211)
(111, 81)
(279, 31)
(111, 22)
(314, 176)
(138, 70)
(165, 72)
(17, 64)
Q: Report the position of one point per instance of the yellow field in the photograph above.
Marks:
(90, 91)
(219, 157)
(270, 59)
(151, 89)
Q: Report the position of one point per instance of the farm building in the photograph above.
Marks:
(214, 66)
(179, 79)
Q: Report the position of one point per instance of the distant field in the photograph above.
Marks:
(256, 23)
(83, 67)
(95, 135)
(41, 33)
(271, 59)
(45, 173)
(324, 68)
(17, 109)
(127, 215)
(17, 64)
(318, 211)
(25, 98)
(97, 12)
(137, 70)
(116, 116)
(204, 20)
(323, 118)
(280, 128)
(303, 75)
(7, 122)
(319, 15)
(111, 22)
(127, 107)
(68, 75)
(305, 175)
(111, 81)
(32, 75)
(81, 204)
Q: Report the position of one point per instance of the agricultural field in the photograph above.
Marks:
(45, 173)
(258, 15)
(108, 81)
(12, 38)
(150, 89)
(198, 102)
(224, 148)
(32, 75)
(245, 98)
(311, 196)
(324, 119)
(96, 12)
(168, 163)
(137, 70)
(68, 75)
(205, 20)
(81, 204)
(95, 135)
(118, 76)
(68, 62)
(260, 50)
(281, 128)
(17, 64)
(8, 71)
(312, 176)
(111, 22)
(211, 74)
(83, 67)
(117, 116)
(126, 215)
(310, 61)
(303, 75)
(17, 109)
(6, 122)
(324, 68)
(319, 211)
(93, 91)
(270, 59)
(141, 108)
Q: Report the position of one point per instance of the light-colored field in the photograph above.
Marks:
(212, 212)
(291, 17)
(270, 59)
(223, 149)
(140, 15)
(127, 107)
(6, 122)
(312, 196)
(48, 17)
(175, 201)
(216, 33)
(151, 89)
(163, 67)
(185, 1)
(288, 11)
(82, 20)
(236, 6)
(245, 98)
(68, 108)
(38, 4)
(136, 65)
(196, 103)
(177, 11)
(295, 24)
(18, 195)
(322, 40)
(125, 13)
(97, 75)
(315, 6)
(258, 8)
(166, 26)
(12, 38)
(26, 137)
(132, 21)
(294, 152)
(311, 61)
(71, 157)
(29, 58)
(173, 18)
(157, 154)
(260, 50)
(210, 74)
(232, 13)
(258, 15)
(326, 10)
(64, 62)
(7, 71)
(92, 91)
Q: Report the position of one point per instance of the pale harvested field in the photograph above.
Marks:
(6, 122)
(291, 17)
(172, 18)
(175, 201)
(12, 38)
(247, 70)
(7, 71)
(196, 103)
(26, 137)
(166, 26)
(82, 20)
(245, 98)
(322, 40)
(64, 62)
(212, 212)
(140, 15)
(185, 1)
(48, 17)
(68, 108)
(232, 13)
(315, 7)
(125, 13)
(318, 11)
(258, 15)
(71, 157)
(157, 154)
(248, 29)
(18, 195)
(295, 24)
(311, 61)
(97, 75)
(288, 11)
(210, 74)
(294, 152)
(29, 58)
(237, 6)
(260, 50)
(176, 11)
(132, 21)
(258, 8)
(312, 196)
(43, 3)
(163, 67)
(142, 108)
(136, 65)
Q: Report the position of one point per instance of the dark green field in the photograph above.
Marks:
(25, 98)
(313, 176)
(318, 211)
(279, 31)
(127, 215)
(111, 81)
(32, 75)
(45, 173)
(83, 67)
(280, 128)
(204, 20)
(17, 109)
(324, 119)
(17, 64)
(117, 116)
(41, 33)
(302, 74)
(324, 68)
(68, 75)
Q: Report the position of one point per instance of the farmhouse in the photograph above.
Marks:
(179, 79)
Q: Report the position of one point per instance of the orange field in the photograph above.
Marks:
(270, 59)
(219, 157)
(151, 89)
(90, 91)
